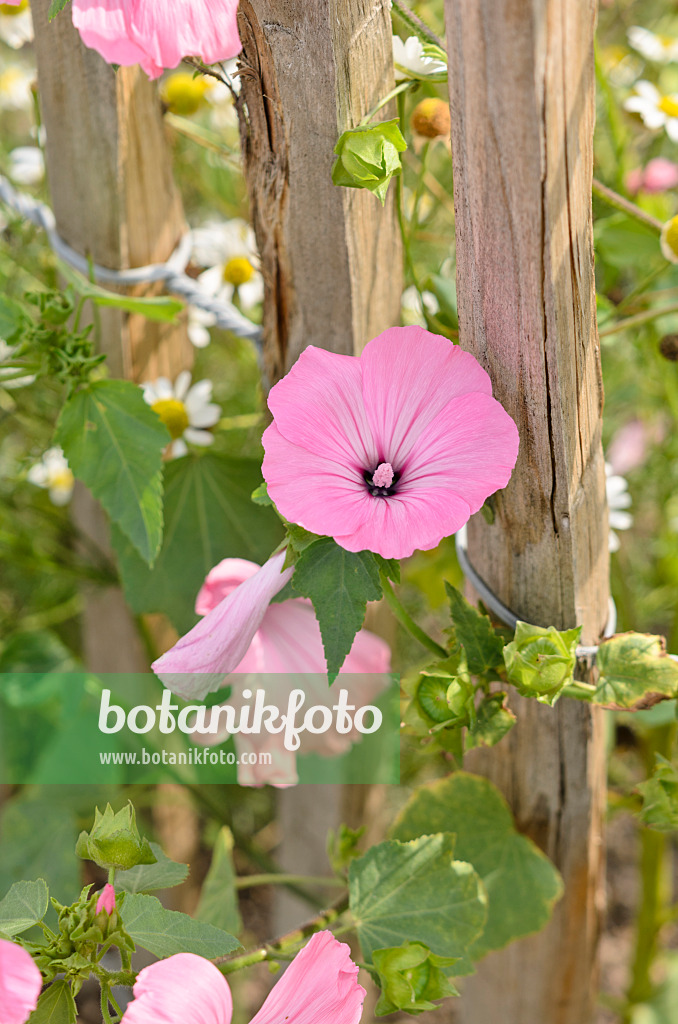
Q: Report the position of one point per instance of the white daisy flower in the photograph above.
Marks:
(412, 61)
(187, 411)
(26, 165)
(413, 307)
(657, 48)
(54, 475)
(16, 87)
(656, 110)
(199, 322)
(228, 250)
(618, 500)
(16, 24)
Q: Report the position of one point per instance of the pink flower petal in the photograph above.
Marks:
(106, 899)
(183, 989)
(323, 496)
(319, 407)
(221, 581)
(20, 983)
(409, 376)
(406, 522)
(319, 987)
(197, 664)
(104, 26)
(470, 448)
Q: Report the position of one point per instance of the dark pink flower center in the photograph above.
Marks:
(381, 481)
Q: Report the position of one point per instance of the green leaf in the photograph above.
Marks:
(165, 932)
(219, 897)
(483, 646)
(417, 892)
(369, 156)
(410, 977)
(260, 495)
(12, 318)
(55, 1006)
(342, 846)
(521, 882)
(493, 721)
(660, 797)
(56, 6)
(164, 874)
(540, 662)
(389, 566)
(208, 516)
(634, 671)
(24, 905)
(163, 308)
(339, 583)
(114, 443)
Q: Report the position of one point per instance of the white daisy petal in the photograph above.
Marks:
(178, 448)
(200, 393)
(199, 437)
(182, 384)
(206, 416)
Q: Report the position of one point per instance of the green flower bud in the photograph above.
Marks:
(540, 662)
(410, 977)
(114, 841)
(369, 156)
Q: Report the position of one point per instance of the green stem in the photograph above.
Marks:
(655, 885)
(386, 99)
(287, 943)
(406, 620)
(273, 878)
(105, 996)
(111, 876)
(578, 690)
(418, 26)
(636, 320)
(617, 130)
(613, 198)
(414, 222)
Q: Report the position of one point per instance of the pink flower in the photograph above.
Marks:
(106, 899)
(319, 985)
(158, 33)
(20, 983)
(659, 175)
(414, 410)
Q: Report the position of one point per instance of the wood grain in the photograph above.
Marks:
(522, 101)
(331, 257)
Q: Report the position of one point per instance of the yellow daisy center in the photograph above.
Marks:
(184, 94)
(671, 235)
(9, 79)
(669, 105)
(173, 414)
(10, 9)
(238, 271)
(666, 40)
(62, 479)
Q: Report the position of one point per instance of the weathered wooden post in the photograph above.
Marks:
(110, 177)
(331, 257)
(522, 98)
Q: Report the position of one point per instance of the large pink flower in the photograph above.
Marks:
(319, 987)
(243, 632)
(158, 33)
(390, 451)
(20, 983)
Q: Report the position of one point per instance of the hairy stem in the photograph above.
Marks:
(406, 620)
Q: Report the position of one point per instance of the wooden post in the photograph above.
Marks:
(331, 257)
(522, 98)
(110, 177)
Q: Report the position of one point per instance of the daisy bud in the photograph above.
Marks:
(183, 92)
(431, 118)
(668, 347)
(669, 240)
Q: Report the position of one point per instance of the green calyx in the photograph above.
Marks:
(114, 841)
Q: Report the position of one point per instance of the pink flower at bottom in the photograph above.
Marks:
(158, 34)
(20, 983)
(391, 451)
(320, 985)
(106, 900)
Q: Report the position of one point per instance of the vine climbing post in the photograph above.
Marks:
(114, 199)
(522, 99)
(331, 257)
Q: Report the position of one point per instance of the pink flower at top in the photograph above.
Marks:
(106, 899)
(391, 451)
(158, 34)
(320, 985)
(20, 983)
(243, 632)
(658, 175)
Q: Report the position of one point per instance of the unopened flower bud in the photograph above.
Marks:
(668, 347)
(431, 118)
(106, 900)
